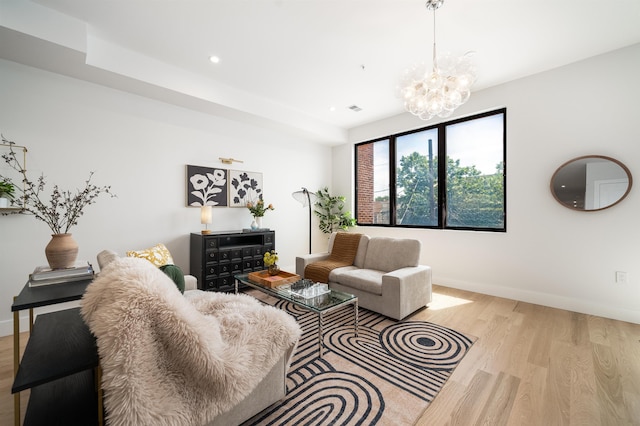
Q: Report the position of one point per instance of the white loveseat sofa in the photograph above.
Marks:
(168, 359)
(107, 256)
(385, 275)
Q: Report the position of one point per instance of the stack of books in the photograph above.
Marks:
(43, 275)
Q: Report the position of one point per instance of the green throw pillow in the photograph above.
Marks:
(176, 274)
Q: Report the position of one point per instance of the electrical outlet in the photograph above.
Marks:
(621, 277)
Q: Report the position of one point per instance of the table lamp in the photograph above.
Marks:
(206, 218)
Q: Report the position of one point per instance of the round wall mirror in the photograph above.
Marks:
(590, 183)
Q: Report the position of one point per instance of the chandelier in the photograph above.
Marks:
(439, 91)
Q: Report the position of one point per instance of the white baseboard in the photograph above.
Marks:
(545, 299)
(6, 326)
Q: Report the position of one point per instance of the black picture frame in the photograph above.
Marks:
(207, 186)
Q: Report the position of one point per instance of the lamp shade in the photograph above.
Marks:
(304, 197)
(300, 197)
(206, 218)
(206, 215)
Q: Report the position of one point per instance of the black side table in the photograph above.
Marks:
(61, 353)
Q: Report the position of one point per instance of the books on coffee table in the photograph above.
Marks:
(44, 275)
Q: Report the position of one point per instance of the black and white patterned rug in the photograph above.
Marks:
(387, 375)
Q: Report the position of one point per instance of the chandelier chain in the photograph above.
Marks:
(434, 37)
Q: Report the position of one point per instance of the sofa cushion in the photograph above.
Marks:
(388, 254)
(369, 280)
(159, 255)
(334, 276)
(345, 247)
(362, 251)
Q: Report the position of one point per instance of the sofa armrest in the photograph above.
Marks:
(407, 287)
(105, 257)
(305, 259)
(190, 282)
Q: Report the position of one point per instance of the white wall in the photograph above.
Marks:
(140, 147)
(550, 255)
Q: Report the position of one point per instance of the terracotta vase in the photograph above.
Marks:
(62, 251)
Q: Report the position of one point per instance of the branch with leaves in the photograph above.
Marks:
(63, 208)
(329, 210)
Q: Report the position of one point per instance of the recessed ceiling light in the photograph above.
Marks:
(214, 59)
(332, 108)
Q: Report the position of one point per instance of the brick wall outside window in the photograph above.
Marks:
(365, 183)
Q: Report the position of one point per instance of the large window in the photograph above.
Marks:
(400, 182)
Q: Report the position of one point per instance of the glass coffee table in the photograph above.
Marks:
(319, 304)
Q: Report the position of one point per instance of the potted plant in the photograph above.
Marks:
(329, 210)
(270, 260)
(6, 193)
(60, 212)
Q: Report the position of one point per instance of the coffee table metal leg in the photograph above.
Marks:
(320, 343)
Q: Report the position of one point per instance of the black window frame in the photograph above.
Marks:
(442, 193)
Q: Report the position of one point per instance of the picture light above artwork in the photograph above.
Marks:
(229, 160)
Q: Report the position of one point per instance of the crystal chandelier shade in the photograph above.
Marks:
(439, 91)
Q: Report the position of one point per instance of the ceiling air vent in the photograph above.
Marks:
(355, 108)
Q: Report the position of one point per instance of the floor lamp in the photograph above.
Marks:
(304, 197)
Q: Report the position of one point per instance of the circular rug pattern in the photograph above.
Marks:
(425, 345)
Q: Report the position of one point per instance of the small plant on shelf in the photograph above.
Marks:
(6, 190)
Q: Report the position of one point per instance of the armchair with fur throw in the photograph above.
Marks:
(169, 359)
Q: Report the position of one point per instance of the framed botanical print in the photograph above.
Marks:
(206, 186)
(244, 187)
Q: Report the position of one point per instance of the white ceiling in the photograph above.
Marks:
(288, 61)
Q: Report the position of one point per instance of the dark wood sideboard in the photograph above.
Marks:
(216, 257)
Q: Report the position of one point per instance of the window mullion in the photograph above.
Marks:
(392, 181)
(442, 176)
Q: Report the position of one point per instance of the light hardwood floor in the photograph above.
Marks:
(530, 365)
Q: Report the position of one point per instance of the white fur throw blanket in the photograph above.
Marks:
(169, 359)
